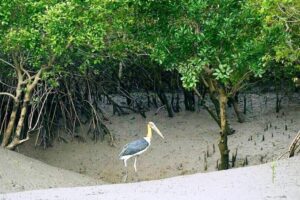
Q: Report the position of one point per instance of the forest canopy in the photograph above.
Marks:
(59, 58)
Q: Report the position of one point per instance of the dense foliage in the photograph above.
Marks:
(70, 54)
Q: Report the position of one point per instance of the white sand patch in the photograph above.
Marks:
(19, 173)
(261, 182)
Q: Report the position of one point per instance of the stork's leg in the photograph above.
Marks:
(124, 179)
(136, 179)
(135, 158)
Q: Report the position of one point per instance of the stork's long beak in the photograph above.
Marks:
(157, 131)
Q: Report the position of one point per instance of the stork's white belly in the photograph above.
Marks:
(136, 154)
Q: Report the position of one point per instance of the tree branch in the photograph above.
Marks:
(6, 84)
(25, 71)
(9, 94)
(7, 63)
(197, 93)
(239, 85)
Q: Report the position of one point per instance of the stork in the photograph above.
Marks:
(137, 147)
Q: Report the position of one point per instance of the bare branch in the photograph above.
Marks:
(9, 94)
(239, 85)
(204, 81)
(36, 79)
(17, 142)
(197, 93)
(11, 65)
(7, 85)
(295, 144)
(41, 109)
(25, 71)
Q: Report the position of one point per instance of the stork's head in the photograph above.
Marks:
(152, 125)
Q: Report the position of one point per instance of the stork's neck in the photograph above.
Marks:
(149, 132)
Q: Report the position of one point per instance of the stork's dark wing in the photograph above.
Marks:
(134, 147)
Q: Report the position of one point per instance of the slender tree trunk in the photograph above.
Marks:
(26, 99)
(162, 96)
(214, 100)
(223, 147)
(217, 117)
(13, 115)
(278, 99)
(120, 76)
(175, 103)
(10, 125)
(189, 100)
(278, 102)
(245, 105)
(237, 111)
(16, 140)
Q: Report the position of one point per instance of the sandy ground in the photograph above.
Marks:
(19, 173)
(277, 180)
(188, 136)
